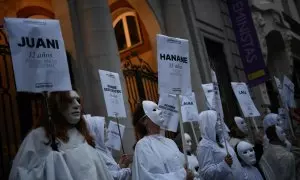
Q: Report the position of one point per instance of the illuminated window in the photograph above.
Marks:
(127, 31)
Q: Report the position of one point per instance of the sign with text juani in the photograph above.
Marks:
(247, 41)
(38, 55)
(173, 65)
(113, 95)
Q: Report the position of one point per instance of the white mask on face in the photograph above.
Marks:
(280, 134)
(153, 112)
(279, 121)
(188, 142)
(241, 124)
(246, 153)
(72, 113)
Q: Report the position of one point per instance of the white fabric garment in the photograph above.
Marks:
(210, 156)
(193, 164)
(76, 160)
(157, 158)
(98, 132)
(251, 173)
(277, 163)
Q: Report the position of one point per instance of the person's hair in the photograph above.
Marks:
(236, 152)
(237, 133)
(140, 129)
(271, 134)
(58, 126)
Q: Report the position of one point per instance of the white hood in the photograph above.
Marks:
(207, 123)
(96, 127)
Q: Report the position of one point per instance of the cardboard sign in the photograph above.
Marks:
(173, 65)
(170, 111)
(189, 108)
(213, 98)
(38, 55)
(113, 95)
(114, 140)
(243, 96)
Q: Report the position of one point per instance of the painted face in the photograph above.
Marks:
(246, 153)
(241, 124)
(280, 134)
(72, 113)
(188, 142)
(153, 112)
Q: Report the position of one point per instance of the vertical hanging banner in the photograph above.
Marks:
(243, 96)
(38, 55)
(113, 95)
(247, 41)
(189, 108)
(173, 65)
(168, 104)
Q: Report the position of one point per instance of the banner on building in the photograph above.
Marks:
(170, 111)
(113, 136)
(243, 96)
(173, 65)
(189, 108)
(247, 41)
(113, 95)
(38, 55)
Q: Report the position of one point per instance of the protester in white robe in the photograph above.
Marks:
(70, 156)
(270, 120)
(214, 162)
(276, 162)
(246, 155)
(119, 171)
(155, 156)
(192, 159)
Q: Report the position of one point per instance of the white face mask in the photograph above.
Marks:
(280, 134)
(153, 112)
(188, 142)
(72, 113)
(246, 153)
(279, 121)
(241, 124)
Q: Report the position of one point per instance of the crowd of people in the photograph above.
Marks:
(66, 146)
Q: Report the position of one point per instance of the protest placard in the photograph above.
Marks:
(114, 138)
(189, 108)
(173, 65)
(243, 96)
(113, 95)
(169, 107)
(38, 55)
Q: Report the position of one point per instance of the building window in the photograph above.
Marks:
(127, 31)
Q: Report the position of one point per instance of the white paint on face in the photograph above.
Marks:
(188, 142)
(241, 124)
(72, 113)
(246, 153)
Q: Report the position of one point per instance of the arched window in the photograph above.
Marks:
(127, 31)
